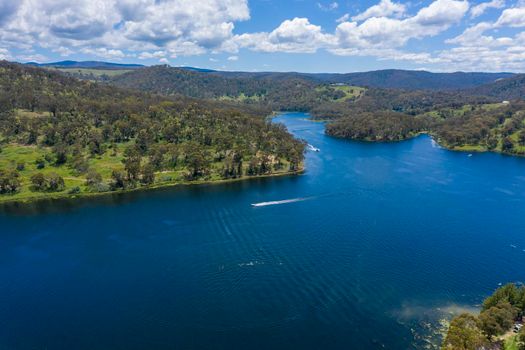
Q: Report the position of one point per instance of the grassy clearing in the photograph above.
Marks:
(511, 343)
(95, 72)
(350, 91)
(470, 148)
(241, 98)
(29, 114)
(12, 156)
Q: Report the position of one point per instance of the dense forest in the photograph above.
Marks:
(472, 119)
(62, 135)
(504, 89)
(496, 327)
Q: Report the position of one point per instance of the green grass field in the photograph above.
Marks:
(350, 91)
(241, 98)
(95, 72)
(511, 343)
(14, 155)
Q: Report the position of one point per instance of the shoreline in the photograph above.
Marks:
(81, 195)
(438, 142)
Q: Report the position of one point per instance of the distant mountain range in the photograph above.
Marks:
(86, 64)
(389, 78)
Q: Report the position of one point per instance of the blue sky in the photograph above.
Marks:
(270, 35)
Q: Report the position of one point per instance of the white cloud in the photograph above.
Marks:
(297, 36)
(384, 32)
(104, 53)
(164, 60)
(149, 55)
(329, 7)
(233, 58)
(385, 8)
(63, 51)
(343, 18)
(4, 54)
(480, 9)
(513, 17)
(137, 25)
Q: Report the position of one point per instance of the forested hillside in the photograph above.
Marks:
(243, 82)
(268, 91)
(416, 80)
(504, 89)
(60, 135)
(470, 119)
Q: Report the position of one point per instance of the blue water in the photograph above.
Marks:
(385, 237)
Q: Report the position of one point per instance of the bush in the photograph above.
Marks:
(74, 190)
(55, 182)
(9, 182)
(38, 182)
(40, 163)
(20, 166)
(93, 178)
(101, 187)
(51, 182)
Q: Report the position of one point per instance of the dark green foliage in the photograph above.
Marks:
(93, 179)
(119, 180)
(40, 163)
(497, 319)
(38, 182)
(80, 120)
(511, 88)
(379, 126)
(196, 83)
(51, 182)
(511, 293)
(9, 181)
(499, 313)
(74, 190)
(148, 174)
(464, 334)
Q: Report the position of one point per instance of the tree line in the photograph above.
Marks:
(78, 121)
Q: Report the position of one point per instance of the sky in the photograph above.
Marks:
(270, 35)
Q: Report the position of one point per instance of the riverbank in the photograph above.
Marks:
(38, 196)
(440, 142)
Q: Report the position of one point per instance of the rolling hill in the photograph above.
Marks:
(505, 89)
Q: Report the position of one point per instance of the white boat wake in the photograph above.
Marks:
(285, 201)
(313, 149)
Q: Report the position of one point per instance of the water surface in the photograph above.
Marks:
(365, 247)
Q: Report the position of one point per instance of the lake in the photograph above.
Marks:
(373, 245)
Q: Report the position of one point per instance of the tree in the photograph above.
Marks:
(60, 152)
(497, 319)
(196, 160)
(507, 145)
(93, 178)
(132, 163)
(119, 179)
(55, 183)
(38, 182)
(521, 138)
(148, 174)
(40, 163)
(464, 334)
(9, 182)
(508, 293)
